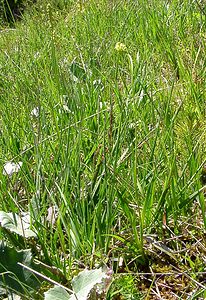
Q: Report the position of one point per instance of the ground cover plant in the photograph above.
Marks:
(103, 151)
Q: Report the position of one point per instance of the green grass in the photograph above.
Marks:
(119, 141)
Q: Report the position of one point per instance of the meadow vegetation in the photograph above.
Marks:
(102, 148)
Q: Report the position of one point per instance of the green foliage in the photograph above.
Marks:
(78, 71)
(17, 224)
(124, 287)
(103, 103)
(82, 285)
(57, 293)
(13, 276)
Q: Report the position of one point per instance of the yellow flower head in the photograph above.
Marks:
(120, 47)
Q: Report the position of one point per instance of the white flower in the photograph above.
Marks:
(35, 112)
(11, 167)
(36, 55)
(66, 108)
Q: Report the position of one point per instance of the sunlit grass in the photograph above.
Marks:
(104, 105)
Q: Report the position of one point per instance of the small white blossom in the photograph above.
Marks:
(66, 108)
(141, 96)
(135, 124)
(179, 102)
(11, 167)
(35, 112)
(150, 127)
(36, 55)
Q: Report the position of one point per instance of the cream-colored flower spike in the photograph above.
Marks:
(120, 47)
(35, 112)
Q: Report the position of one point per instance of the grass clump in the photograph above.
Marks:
(103, 114)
